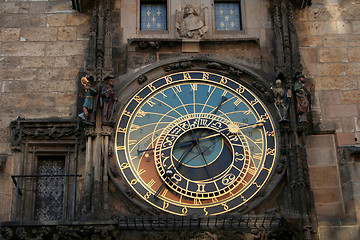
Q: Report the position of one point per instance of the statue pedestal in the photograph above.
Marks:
(190, 46)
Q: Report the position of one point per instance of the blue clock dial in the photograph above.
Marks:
(196, 143)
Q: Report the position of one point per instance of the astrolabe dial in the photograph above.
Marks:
(196, 143)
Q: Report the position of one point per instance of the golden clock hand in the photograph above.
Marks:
(235, 128)
(167, 172)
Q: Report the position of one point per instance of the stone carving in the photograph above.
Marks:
(235, 71)
(142, 79)
(281, 102)
(90, 100)
(107, 101)
(179, 65)
(190, 23)
(214, 65)
(302, 101)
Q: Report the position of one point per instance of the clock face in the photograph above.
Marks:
(196, 143)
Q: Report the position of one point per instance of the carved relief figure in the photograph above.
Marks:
(107, 100)
(89, 101)
(191, 24)
(301, 98)
(281, 102)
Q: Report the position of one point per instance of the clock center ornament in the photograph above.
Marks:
(196, 143)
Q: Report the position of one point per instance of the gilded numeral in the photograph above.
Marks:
(151, 87)
(177, 88)
(252, 170)
(193, 86)
(259, 140)
(226, 207)
(121, 130)
(120, 148)
(205, 76)
(257, 156)
(147, 195)
(187, 75)
(132, 142)
(214, 200)
(224, 93)
(240, 89)
(151, 183)
(124, 165)
(165, 205)
(197, 201)
(151, 103)
(270, 134)
(252, 103)
(237, 102)
(126, 113)
(168, 79)
(134, 127)
(163, 94)
(164, 192)
(206, 212)
(270, 151)
(141, 171)
(201, 187)
(264, 117)
(223, 80)
(184, 210)
(138, 99)
(140, 113)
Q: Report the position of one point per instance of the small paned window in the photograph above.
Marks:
(227, 16)
(153, 16)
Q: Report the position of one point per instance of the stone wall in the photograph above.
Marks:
(329, 35)
(42, 49)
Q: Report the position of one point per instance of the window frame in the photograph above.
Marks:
(148, 32)
(242, 17)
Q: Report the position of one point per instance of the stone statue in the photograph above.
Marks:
(281, 101)
(107, 101)
(191, 24)
(90, 100)
(302, 101)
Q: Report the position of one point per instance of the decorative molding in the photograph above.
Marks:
(42, 129)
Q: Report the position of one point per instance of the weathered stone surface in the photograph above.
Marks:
(57, 20)
(324, 176)
(9, 34)
(65, 48)
(336, 83)
(327, 195)
(339, 232)
(354, 54)
(24, 20)
(333, 55)
(330, 210)
(327, 69)
(349, 110)
(23, 49)
(344, 139)
(39, 34)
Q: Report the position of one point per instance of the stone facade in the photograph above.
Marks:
(47, 46)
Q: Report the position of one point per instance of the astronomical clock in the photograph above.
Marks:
(196, 143)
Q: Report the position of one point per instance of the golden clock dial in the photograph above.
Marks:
(196, 143)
